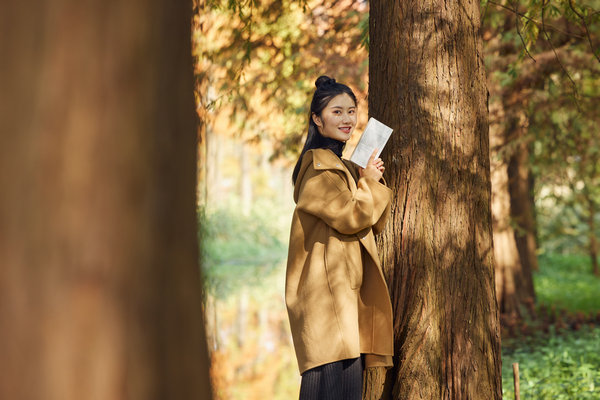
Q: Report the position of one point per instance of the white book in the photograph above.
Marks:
(375, 136)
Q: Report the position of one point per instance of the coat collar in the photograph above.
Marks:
(326, 159)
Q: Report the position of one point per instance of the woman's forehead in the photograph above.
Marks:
(341, 101)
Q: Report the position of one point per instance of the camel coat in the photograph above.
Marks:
(335, 292)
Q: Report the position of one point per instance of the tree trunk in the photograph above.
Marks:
(427, 81)
(212, 173)
(507, 263)
(100, 290)
(245, 175)
(593, 241)
(514, 282)
(202, 89)
(522, 206)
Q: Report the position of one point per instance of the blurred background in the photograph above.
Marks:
(256, 63)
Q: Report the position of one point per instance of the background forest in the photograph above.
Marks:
(256, 63)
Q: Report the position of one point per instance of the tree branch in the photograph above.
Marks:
(519, 33)
(516, 12)
(543, 27)
(587, 32)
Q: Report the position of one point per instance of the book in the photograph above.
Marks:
(375, 136)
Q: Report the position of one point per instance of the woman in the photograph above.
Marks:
(336, 295)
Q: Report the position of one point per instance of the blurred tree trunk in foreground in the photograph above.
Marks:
(427, 81)
(100, 291)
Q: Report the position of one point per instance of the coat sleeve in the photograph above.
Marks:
(380, 224)
(325, 194)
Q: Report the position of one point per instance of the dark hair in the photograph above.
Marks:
(327, 89)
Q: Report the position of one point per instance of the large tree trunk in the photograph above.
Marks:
(427, 81)
(100, 290)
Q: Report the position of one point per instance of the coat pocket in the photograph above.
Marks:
(343, 259)
(354, 265)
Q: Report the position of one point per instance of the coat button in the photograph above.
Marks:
(337, 165)
(318, 164)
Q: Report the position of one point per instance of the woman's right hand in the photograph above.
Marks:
(374, 168)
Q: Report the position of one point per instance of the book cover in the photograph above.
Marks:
(375, 136)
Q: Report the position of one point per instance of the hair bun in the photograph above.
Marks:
(324, 80)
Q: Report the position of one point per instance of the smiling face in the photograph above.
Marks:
(338, 118)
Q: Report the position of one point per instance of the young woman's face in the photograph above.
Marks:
(338, 118)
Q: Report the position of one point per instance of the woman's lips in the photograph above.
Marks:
(345, 129)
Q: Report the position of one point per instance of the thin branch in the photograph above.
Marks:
(521, 36)
(487, 4)
(543, 27)
(516, 12)
(587, 32)
(546, 36)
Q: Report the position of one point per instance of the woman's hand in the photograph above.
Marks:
(374, 168)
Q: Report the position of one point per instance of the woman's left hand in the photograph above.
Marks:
(374, 168)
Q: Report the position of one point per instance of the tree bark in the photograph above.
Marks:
(427, 81)
(100, 293)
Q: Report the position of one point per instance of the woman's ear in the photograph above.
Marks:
(317, 120)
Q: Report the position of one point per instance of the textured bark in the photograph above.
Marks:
(100, 292)
(427, 81)
(373, 383)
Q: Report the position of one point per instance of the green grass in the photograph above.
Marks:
(565, 365)
(561, 367)
(239, 249)
(566, 282)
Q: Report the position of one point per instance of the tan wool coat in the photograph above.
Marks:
(335, 292)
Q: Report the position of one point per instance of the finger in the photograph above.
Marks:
(372, 158)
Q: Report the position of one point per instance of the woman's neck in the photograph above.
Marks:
(334, 145)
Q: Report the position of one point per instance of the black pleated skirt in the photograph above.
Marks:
(340, 380)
